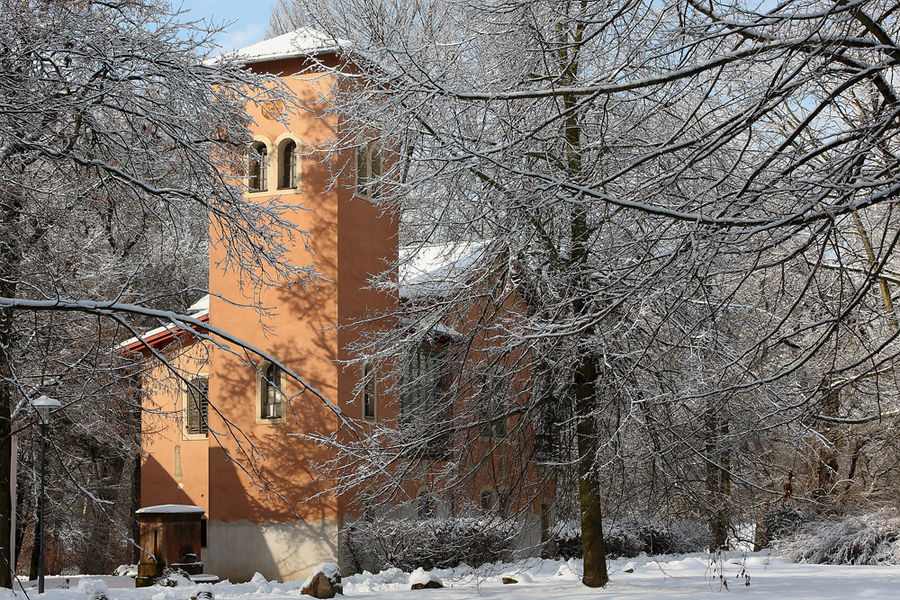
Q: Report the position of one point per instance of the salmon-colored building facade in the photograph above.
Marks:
(242, 457)
(225, 430)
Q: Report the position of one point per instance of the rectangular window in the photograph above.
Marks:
(196, 397)
(493, 403)
(425, 386)
(423, 403)
(370, 392)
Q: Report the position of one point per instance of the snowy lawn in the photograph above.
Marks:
(658, 578)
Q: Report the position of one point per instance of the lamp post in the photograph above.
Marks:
(43, 406)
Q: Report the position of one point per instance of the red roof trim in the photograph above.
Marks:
(161, 339)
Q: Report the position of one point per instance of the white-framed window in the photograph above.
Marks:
(368, 170)
(256, 168)
(270, 399)
(288, 165)
(370, 392)
(195, 394)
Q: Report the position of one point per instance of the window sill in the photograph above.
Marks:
(270, 421)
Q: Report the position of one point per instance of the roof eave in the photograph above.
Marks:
(262, 58)
(159, 338)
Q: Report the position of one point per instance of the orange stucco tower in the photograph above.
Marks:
(243, 457)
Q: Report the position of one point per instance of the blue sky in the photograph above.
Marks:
(251, 18)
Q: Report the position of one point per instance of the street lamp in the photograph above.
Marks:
(43, 406)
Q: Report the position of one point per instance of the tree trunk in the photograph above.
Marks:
(35, 550)
(9, 260)
(6, 507)
(594, 548)
(136, 504)
(718, 479)
(827, 465)
(22, 512)
(585, 378)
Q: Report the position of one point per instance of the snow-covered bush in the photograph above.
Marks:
(783, 523)
(93, 589)
(428, 543)
(631, 537)
(870, 539)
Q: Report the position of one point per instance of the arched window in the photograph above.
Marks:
(271, 395)
(287, 165)
(257, 167)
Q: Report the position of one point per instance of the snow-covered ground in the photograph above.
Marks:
(688, 576)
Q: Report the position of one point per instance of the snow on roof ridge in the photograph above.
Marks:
(201, 305)
(304, 41)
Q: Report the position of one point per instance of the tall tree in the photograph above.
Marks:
(119, 141)
(657, 203)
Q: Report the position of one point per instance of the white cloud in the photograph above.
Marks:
(247, 34)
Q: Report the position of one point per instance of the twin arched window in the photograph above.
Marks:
(287, 166)
(257, 167)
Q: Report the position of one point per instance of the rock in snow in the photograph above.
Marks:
(420, 579)
(324, 582)
(516, 577)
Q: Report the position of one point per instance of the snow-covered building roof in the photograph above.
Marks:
(432, 268)
(305, 41)
(198, 310)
